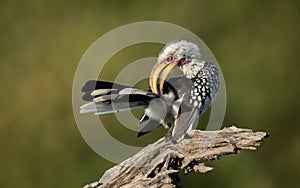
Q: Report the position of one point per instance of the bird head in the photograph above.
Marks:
(179, 53)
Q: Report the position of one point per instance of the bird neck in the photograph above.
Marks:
(190, 70)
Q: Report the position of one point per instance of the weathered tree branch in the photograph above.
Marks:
(158, 164)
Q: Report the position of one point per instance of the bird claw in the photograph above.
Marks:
(187, 136)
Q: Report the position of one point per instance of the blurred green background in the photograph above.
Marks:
(256, 44)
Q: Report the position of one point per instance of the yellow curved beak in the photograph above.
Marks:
(160, 70)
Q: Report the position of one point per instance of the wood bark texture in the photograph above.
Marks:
(158, 164)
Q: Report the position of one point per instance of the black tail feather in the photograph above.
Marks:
(107, 97)
(93, 85)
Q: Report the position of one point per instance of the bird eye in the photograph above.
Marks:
(170, 58)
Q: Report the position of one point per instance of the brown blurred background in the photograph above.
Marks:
(256, 44)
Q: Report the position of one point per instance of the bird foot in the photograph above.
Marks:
(187, 136)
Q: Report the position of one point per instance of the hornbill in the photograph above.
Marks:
(175, 103)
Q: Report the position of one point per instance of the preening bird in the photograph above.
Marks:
(176, 102)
